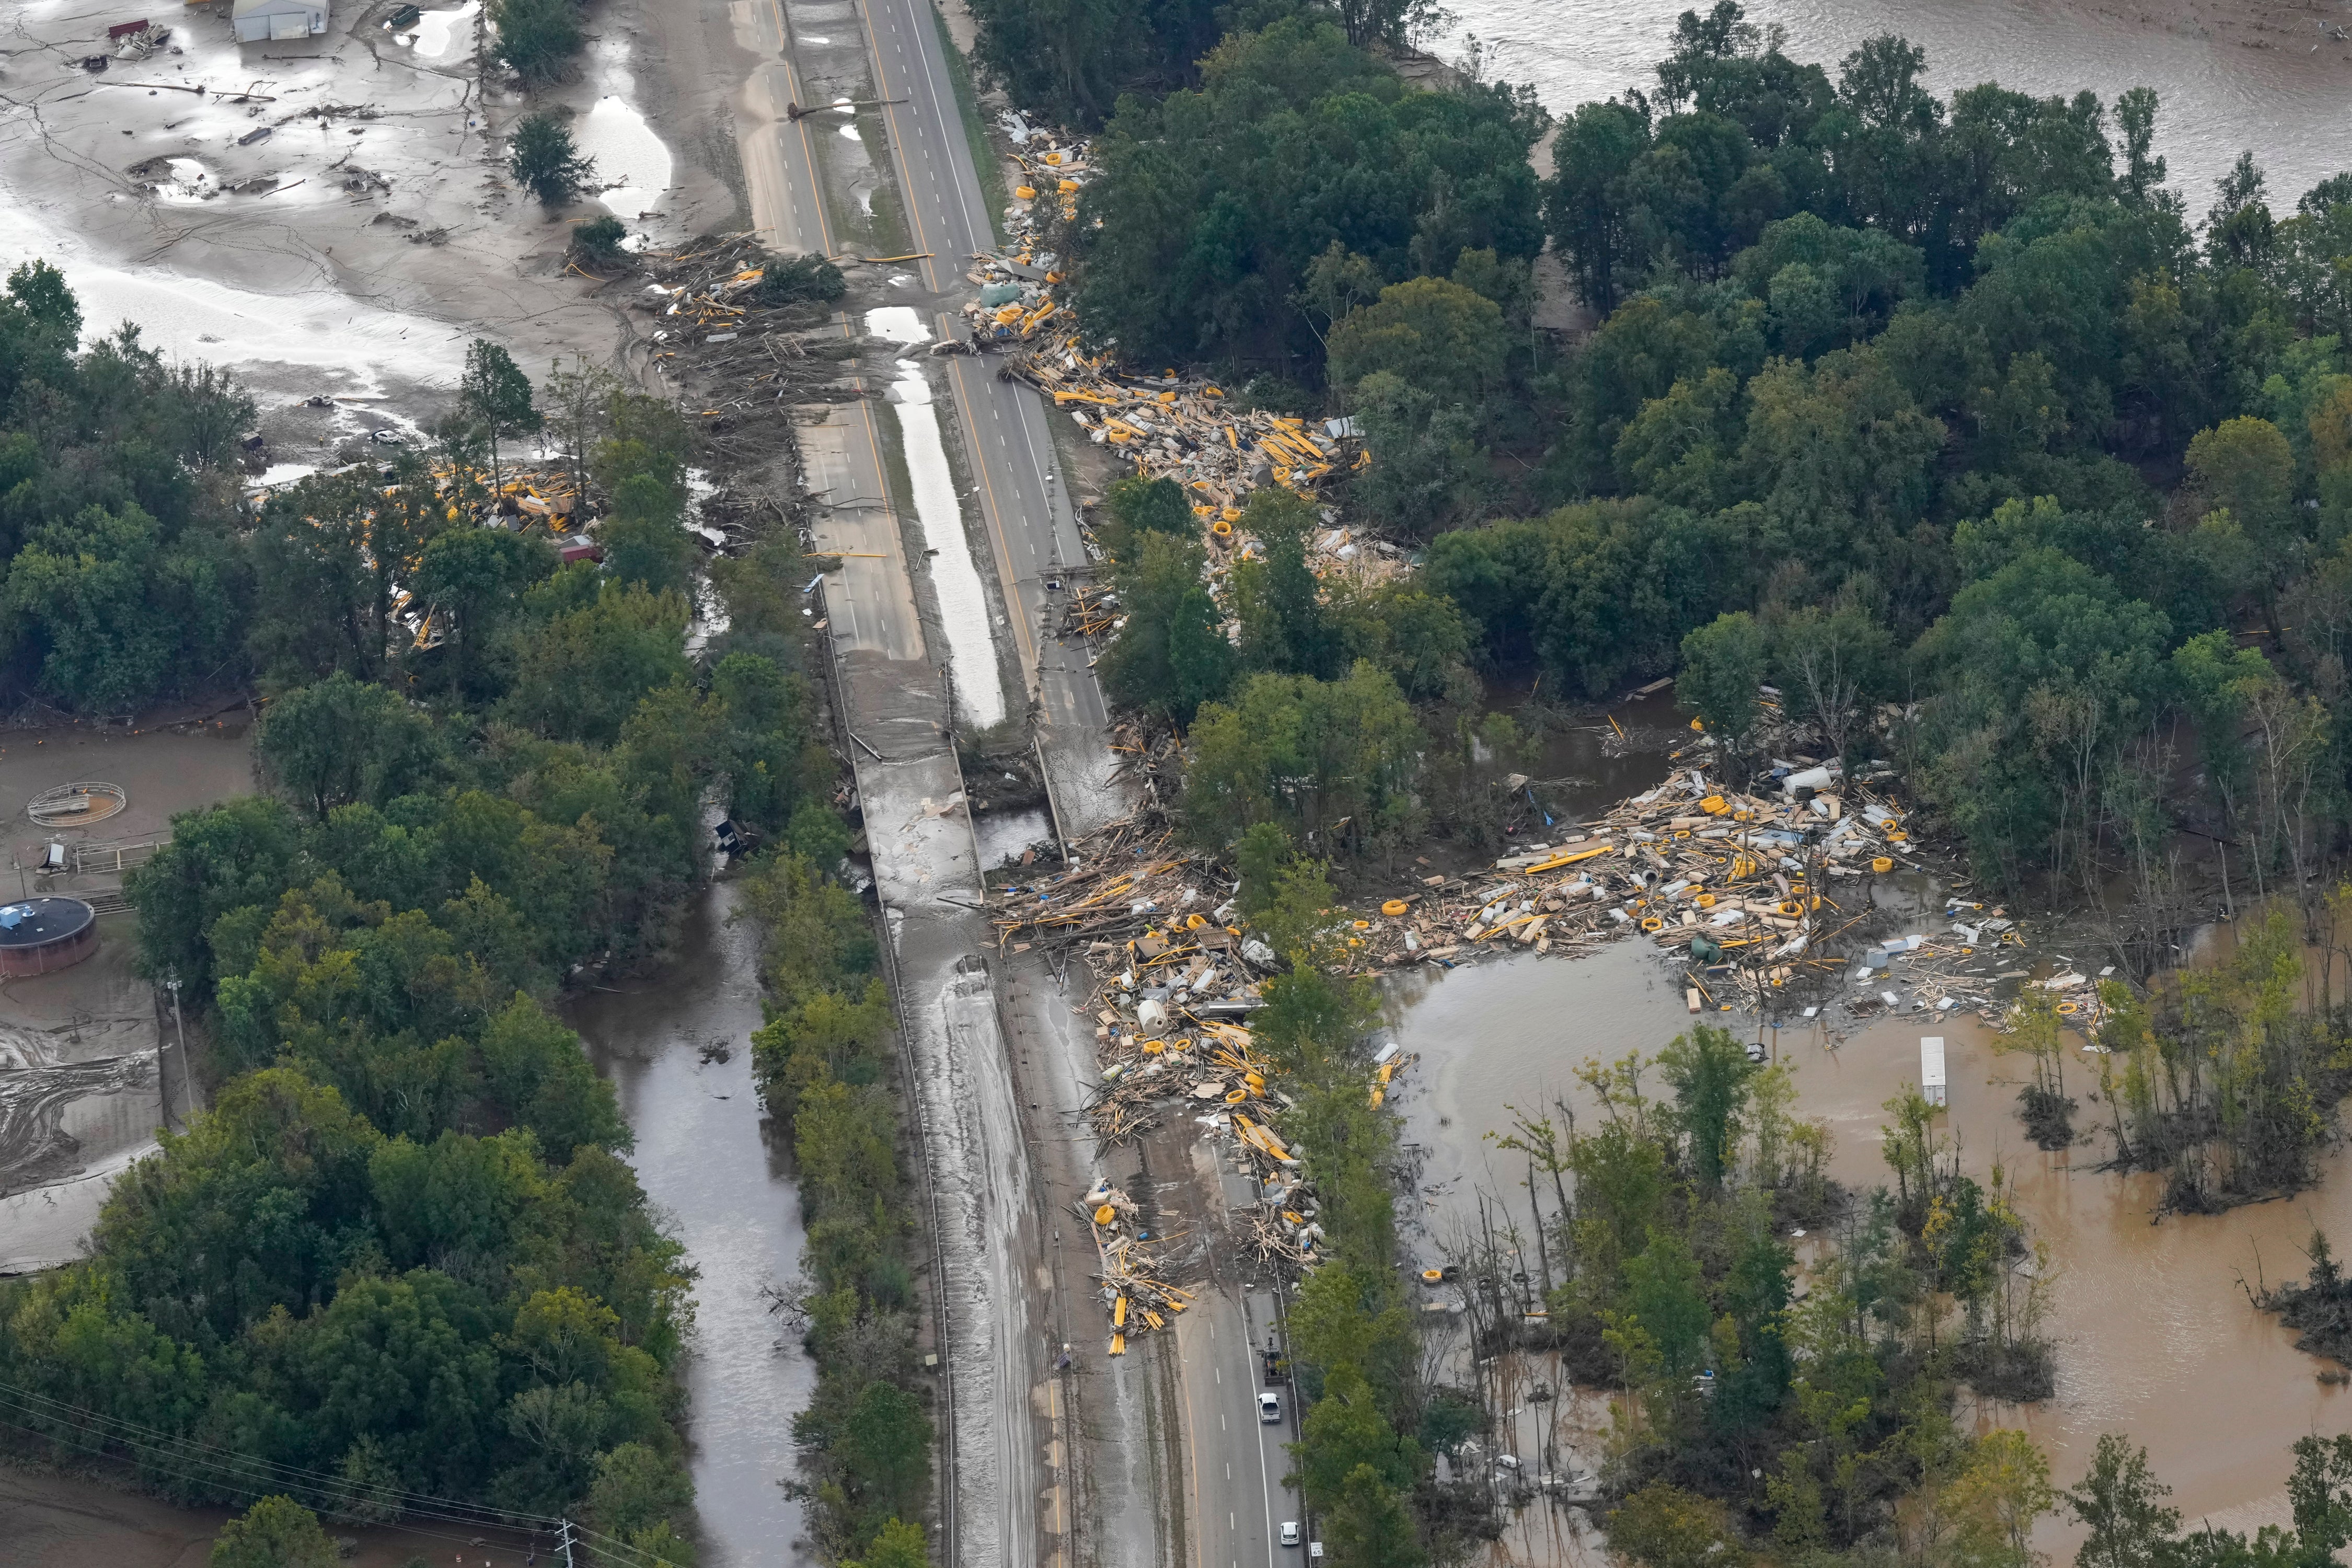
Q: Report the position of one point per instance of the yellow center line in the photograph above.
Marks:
(1193, 1447)
(899, 149)
(793, 95)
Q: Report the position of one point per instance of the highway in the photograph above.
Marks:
(1236, 1460)
(988, 1160)
(1008, 445)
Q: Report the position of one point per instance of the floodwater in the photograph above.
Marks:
(84, 1067)
(955, 579)
(2155, 1337)
(630, 158)
(2229, 78)
(711, 1169)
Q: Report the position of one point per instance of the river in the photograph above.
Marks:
(2230, 77)
(719, 1179)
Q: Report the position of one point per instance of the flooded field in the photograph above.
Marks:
(85, 1064)
(678, 1046)
(2230, 77)
(2156, 1335)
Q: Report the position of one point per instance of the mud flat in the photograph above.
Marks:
(85, 1062)
(332, 217)
(2155, 1336)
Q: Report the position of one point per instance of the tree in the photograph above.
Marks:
(343, 739)
(1710, 1071)
(1216, 204)
(1428, 472)
(1321, 757)
(1138, 506)
(542, 156)
(1171, 654)
(1436, 335)
(1370, 1524)
(801, 279)
(1585, 205)
(636, 1489)
(2001, 1490)
(275, 1533)
(896, 1545)
(1662, 1526)
(494, 391)
(1284, 626)
(97, 593)
(1834, 662)
(538, 37)
(886, 1444)
(2118, 1502)
(601, 241)
(2143, 177)
(1345, 1430)
(471, 578)
(1724, 662)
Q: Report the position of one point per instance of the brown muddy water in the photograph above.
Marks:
(2155, 1337)
(720, 1181)
(2230, 74)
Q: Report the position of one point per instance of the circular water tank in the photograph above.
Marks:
(37, 935)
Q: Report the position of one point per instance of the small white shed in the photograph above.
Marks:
(262, 21)
(1931, 1068)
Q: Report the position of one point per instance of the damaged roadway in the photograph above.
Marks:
(1052, 1449)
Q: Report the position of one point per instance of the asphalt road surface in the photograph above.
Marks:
(1237, 1459)
(1025, 507)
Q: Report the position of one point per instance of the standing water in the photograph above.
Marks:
(2155, 1335)
(678, 1047)
(2229, 79)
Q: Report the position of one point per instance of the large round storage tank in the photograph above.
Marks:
(37, 935)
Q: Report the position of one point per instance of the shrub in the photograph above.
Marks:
(597, 242)
(535, 36)
(788, 280)
(545, 162)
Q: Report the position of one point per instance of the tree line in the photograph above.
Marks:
(401, 1257)
(1942, 415)
(825, 1075)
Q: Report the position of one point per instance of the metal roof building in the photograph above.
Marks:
(260, 21)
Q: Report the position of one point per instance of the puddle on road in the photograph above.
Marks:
(708, 1165)
(2155, 1335)
(440, 34)
(626, 151)
(1003, 834)
(963, 607)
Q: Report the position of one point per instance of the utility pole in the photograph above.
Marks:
(566, 1541)
(187, 1081)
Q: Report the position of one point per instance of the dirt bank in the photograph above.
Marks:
(332, 217)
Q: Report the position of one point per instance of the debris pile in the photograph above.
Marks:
(1136, 1297)
(136, 40)
(1172, 426)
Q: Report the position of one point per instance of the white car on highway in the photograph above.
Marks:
(1290, 1532)
(1269, 1407)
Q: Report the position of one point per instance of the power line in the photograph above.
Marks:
(248, 1490)
(254, 1475)
(254, 1466)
